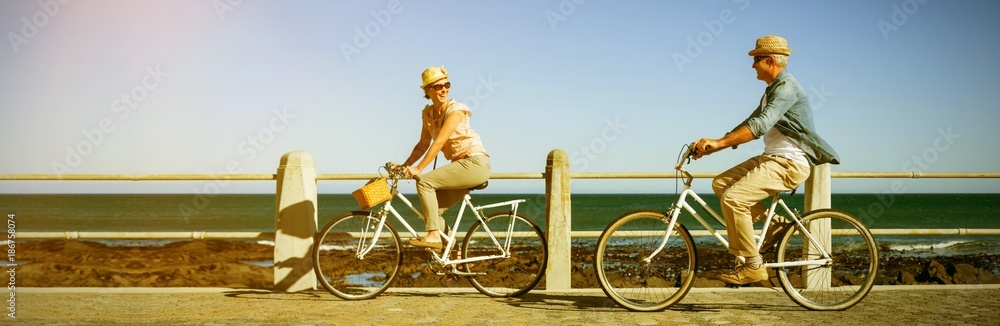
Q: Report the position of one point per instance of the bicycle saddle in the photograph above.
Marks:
(480, 187)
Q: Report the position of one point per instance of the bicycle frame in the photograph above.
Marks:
(388, 209)
(675, 210)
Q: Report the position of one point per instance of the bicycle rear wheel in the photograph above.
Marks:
(638, 285)
(510, 276)
(340, 268)
(846, 279)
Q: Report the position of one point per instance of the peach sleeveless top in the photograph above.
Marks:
(463, 141)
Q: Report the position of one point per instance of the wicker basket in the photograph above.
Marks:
(375, 192)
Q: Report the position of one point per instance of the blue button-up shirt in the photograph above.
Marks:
(787, 109)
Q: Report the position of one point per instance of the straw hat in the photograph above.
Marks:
(771, 44)
(432, 75)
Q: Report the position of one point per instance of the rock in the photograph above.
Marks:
(577, 278)
(219, 263)
(935, 272)
(965, 274)
(905, 278)
(987, 277)
(850, 279)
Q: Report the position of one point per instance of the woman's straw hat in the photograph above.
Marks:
(771, 44)
(432, 75)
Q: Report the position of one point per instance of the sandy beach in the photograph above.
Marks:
(242, 264)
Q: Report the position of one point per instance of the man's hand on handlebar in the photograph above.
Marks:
(704, 147)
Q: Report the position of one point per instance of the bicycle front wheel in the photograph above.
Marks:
(510, 276)
(849, 275)
(635, 282)
(351, 262)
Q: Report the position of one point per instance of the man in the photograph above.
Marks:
(784, 119)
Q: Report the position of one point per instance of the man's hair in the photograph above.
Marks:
(780, 60)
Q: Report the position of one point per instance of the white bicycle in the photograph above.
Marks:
(646, 260)
(359, 254)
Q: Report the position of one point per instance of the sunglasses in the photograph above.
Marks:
(757, 59)
(437, 87)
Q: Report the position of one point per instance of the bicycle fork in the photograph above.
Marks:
(671, 222)
(364, 245)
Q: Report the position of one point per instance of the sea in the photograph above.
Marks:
(590, 212)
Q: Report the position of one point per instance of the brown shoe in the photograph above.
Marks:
(778, 228)
(423, 243)
(743, 274)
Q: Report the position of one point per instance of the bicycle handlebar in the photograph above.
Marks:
(396, 171)
(689, 150)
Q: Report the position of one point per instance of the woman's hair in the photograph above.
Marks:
(780, 60)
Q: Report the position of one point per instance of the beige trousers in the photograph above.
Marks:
(741, 188)
(447, 185)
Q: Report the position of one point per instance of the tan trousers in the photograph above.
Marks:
(447, 185)
(741, 188)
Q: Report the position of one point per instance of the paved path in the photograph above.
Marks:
(887, 305)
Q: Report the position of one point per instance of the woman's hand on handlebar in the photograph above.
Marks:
(396, 171)
(411, 172)
(401, 171)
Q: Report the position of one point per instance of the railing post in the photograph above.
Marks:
(818, 197)
(818, 188)
(295, 223)
(557, 221)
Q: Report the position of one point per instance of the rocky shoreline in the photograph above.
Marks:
(237, 264)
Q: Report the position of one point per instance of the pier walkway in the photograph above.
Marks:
(885, 305)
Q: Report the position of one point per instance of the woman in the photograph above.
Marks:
(445, 128)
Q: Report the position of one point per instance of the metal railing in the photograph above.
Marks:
(496, 176)
(297, 171)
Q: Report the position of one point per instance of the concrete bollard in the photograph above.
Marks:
(818, 197)
(818, 188)
(295, 223)
(557, 221)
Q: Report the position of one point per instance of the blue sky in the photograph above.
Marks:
(160, 87)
